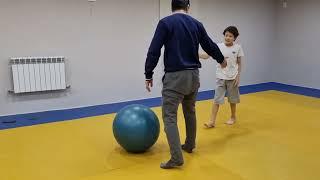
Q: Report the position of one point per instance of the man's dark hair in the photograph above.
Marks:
(233, 30)
(180, 5)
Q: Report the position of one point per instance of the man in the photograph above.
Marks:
(181, 35)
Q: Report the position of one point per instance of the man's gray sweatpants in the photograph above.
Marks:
(180, 87)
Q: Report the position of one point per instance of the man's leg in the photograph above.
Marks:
(171, 101)
(189, 111)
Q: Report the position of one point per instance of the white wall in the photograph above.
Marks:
(106, 51)
(298, 40)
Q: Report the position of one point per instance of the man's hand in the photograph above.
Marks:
(224, 63)
(149, 84)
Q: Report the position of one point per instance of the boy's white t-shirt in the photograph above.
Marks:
(233, 52)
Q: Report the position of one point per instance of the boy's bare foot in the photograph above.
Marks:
(210, 124)
(231, 121)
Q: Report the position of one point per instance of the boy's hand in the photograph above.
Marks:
(237, 81)
(224, 63)
(149, 84)
(204, 56)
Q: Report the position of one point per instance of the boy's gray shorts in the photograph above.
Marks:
(226, 86)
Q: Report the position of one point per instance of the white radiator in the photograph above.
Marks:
(34, 74)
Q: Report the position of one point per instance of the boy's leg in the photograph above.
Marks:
(233, 118)
(218, 100)
(214, 112)
(234, 99)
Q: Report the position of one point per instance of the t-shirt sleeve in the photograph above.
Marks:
(240, 53)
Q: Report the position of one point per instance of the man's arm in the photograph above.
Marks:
(154, 52)
(211, 48)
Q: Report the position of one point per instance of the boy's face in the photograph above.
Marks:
(229, 38)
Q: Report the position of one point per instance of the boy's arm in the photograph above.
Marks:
(239, 61)
(237, 80)
(204, 56)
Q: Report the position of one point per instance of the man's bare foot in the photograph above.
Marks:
(210, 124)
(231, 121)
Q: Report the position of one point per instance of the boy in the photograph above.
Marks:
(227, 78)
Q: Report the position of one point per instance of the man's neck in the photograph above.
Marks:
(180, 11)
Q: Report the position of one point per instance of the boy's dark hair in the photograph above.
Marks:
(233, 30)
(180, 5)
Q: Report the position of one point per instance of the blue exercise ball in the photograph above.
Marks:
(136, 128)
